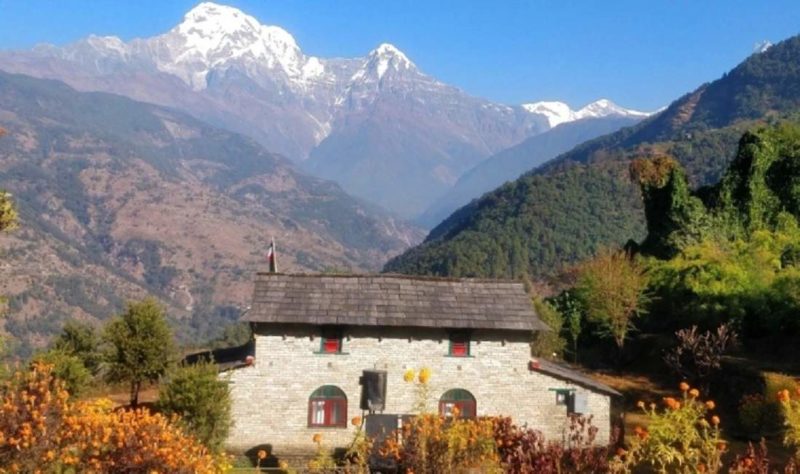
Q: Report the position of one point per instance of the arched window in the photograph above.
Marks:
(327, 406)
(458, 398)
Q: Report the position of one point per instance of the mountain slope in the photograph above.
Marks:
(701, 129)
(512, 162)
(121, 199)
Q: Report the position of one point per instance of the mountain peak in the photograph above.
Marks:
(555, 112)
(387, 56)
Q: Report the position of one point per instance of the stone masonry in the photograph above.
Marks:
(271, 396)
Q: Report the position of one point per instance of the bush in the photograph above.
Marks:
(525, 451)
(200, 399)
(67, 368)
(41, 430)
(684, 437)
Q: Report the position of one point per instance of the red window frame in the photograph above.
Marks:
(459, 345)
(332, 345)
(326, 410)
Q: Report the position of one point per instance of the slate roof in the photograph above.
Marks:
(563, 372)
(392, 300)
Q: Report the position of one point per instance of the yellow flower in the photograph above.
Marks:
(424, 375)
(408, 375)
(283, 465)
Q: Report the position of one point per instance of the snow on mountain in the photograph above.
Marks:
(214, 36)
(557, 113)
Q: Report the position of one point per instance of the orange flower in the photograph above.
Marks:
(701, 467)
(715, 420)
(621, 452)
(262, 454)
(684, 387)
(356, 421)
(710, 404)
(694, 393)
(640, 404)
(783, 396)
(641, 432)
(672, 403)
(317, 438)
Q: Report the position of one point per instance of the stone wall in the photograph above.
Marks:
(270, 398)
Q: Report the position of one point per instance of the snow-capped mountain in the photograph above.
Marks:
(377, 124)
(559, 112)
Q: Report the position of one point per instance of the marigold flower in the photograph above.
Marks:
(640, 404)
(694, 393)
(783, 395)
(317, 438)
(621, 452)
(262, 454)
(424, 375)
(701, 467)
(711, 405)
(408, 375)
(283, 465)
(671, 403)
(356, 421)
(715, 420)
(684, 387)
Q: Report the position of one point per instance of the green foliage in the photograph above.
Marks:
(612, 286)
(80, 340)
(202, 400)
(548, 344)
(569, 305)
(140, 347)
(67, 368)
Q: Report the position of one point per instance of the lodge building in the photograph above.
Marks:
(314, 335)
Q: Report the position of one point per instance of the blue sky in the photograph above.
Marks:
(640, 54)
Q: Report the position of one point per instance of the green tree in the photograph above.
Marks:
(202, 400)
(572, 313)
(80, 340)
(140, 346)
(612, 286)
(67, 368)
(548, 344)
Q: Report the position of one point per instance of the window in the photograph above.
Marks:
(331, 341)
(458, 398)
(459, 345)
(563, 397)
(327, 406)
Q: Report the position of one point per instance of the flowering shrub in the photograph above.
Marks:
(42, 431)
(790, 406)
(683, 437)
(525, 451)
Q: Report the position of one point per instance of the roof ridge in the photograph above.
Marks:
(398, 276)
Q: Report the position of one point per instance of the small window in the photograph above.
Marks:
(331, 341)
(563, 397)
(460, 399)
(459, 345)
(327, 406)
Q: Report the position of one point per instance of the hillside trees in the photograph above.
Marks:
(141, 347)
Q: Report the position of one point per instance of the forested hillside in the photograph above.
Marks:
(584, 199)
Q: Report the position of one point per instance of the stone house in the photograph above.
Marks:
(315, 334)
